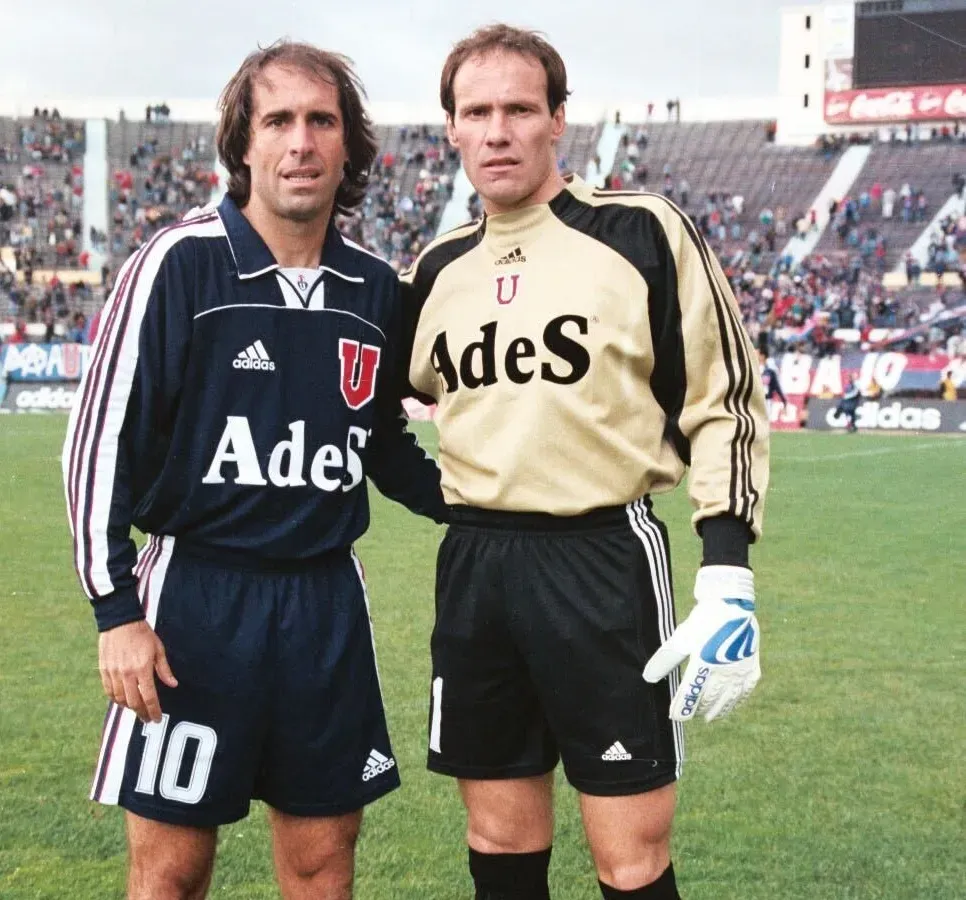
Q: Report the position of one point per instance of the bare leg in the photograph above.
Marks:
(168, 862)
(512, 816)
(630, 837)
(315, 857)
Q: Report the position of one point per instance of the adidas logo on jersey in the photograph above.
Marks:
(376, 764)
(255, 356)
(615, 752)
(514, 256)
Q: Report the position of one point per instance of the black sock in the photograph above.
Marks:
(510, 876)
(664, 888)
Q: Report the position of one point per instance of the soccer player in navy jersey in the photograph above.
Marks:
(246, 380)
(771, 381)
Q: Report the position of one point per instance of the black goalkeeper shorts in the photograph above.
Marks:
(543, 627)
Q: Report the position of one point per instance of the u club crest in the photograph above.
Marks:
(302, 283)
(506, 288)
(358, 363)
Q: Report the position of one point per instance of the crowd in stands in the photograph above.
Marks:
(947, 242)
(916, 134)
(41, 215)
(156, 190)
(802, 309)
(160, 111)
(783, 305)
(894, 135)
(787, 305)
(46, 137)
(51, 302)
(41, 191)
(743, 237)
(847, 214)
(406, 196)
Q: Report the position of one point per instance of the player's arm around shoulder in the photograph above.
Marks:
(399, 467)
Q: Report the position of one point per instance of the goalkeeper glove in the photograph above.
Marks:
(721, 636)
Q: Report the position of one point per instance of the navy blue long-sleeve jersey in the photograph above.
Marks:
(238, 406)
(773, 388)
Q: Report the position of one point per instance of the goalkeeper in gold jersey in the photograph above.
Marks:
(583, 349)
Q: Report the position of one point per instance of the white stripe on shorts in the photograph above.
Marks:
(372, 632)
(151, 569)
(652, 539)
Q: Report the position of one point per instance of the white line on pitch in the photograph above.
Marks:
(881, 451)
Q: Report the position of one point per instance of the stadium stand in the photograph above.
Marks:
(902, 173)
(577, 148)
(411, 182)
(725, 159)
(167, 138)
(41, 191)
(746, 194)
(159, 171)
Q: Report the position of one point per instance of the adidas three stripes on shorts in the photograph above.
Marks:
(278, 695)
(543, 627)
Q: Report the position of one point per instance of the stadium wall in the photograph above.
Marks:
(817, 64)
(809, 36)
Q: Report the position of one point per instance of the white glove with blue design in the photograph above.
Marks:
(721, 635)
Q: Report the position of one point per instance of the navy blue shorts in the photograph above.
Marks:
(278, 696)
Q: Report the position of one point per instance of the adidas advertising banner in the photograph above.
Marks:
(34, 398)
(937, 416)
(44, 362)
(801, 375)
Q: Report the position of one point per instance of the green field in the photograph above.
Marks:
(843, 777)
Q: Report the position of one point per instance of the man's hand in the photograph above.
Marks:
(721, 636)
(128, 657)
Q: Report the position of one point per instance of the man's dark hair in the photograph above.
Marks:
(505, 38)
(237, 105)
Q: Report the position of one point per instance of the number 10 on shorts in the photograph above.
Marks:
(190, 788)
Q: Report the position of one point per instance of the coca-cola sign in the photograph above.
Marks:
(913, 104)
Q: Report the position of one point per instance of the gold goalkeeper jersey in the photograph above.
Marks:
(583, 353)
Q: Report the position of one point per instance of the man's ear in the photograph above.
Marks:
(559, 123)
(451, 132)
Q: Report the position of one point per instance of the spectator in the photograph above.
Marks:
(920, 207)
(947, 386)
(888, 203)
(78, 329)
(19, 335)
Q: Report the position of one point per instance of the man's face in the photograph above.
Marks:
(296, 152)
(504, 130)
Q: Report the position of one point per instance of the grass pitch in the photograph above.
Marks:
(843, 777)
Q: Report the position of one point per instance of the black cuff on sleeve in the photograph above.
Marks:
(119, 608)
(726, 540)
